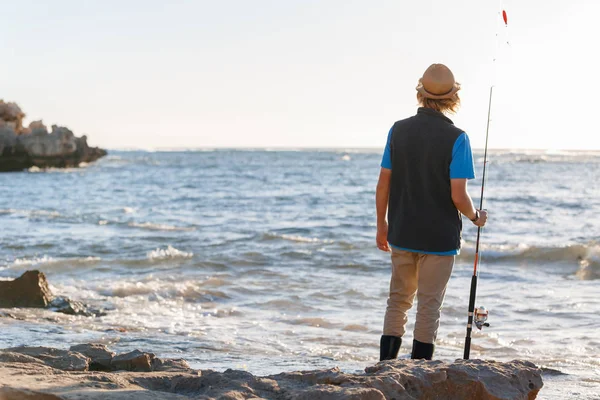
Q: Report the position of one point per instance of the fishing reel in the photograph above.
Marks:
(480, 316)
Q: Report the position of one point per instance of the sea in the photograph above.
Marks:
(265, 260)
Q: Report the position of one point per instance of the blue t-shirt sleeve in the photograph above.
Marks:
(461, 166)
(386, 161)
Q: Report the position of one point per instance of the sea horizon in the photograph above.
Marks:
(336, 149)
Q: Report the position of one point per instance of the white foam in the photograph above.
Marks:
(301, 239)
(33, 261)
(47, 260)
(298, 238)
(160, 291)
(160, 227)
(169, 253)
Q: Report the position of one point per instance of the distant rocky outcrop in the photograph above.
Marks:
(31, 290)
(24, 147)
(139, 375)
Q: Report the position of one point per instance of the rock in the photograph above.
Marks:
(230, 384)
(22, 148)
(170, 365)
(12, 113)
(133, 361)
(394, 379)
(398, 379)
(463, 379)
(10, 357)
(99, 355)
(10, 125)
(328, 392)
(29, 290)
(7, 393)
(71, 307)
(38, 127)
(55, 358)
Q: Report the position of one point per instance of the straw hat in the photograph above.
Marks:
(438, 83)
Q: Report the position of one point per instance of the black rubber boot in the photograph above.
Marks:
(389, 347)
(422, 350)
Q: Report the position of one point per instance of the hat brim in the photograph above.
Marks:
(433, 96)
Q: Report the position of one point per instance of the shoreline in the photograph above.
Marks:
(92, 371)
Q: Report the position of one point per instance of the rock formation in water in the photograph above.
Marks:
(24, 147)
(42, 371)
(31, 290)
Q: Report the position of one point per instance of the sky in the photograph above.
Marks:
(299, 73)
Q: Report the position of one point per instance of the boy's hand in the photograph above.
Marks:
(382, 232)
(483, 216)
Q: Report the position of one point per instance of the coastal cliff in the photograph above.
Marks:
(25, 147)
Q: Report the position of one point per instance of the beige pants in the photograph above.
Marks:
(426, 276)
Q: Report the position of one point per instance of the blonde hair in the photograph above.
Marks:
(450, 105)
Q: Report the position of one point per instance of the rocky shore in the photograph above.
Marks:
(92, 371)
(25, 147)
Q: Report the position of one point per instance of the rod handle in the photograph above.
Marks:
(467, 348)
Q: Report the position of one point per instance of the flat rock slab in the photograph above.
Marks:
(21, 371)
(55, 358)
(7, 393)
(398, 379)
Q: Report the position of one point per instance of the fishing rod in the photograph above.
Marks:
(479, 315)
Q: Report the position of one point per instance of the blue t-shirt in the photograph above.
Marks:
(461, 167)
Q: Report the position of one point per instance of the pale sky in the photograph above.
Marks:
(299, 73)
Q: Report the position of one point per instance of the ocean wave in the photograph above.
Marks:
(160, 227)
(295, 238)
(157, 290)
(576, 254)
(169, 253)
(31, 213)
(35, 169)
(33, 261)
(289, 305)
(315, 322)
(356, 267)
(541, 156)
(46, 260)
(356, 328)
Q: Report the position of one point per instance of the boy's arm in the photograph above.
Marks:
(381, 202)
